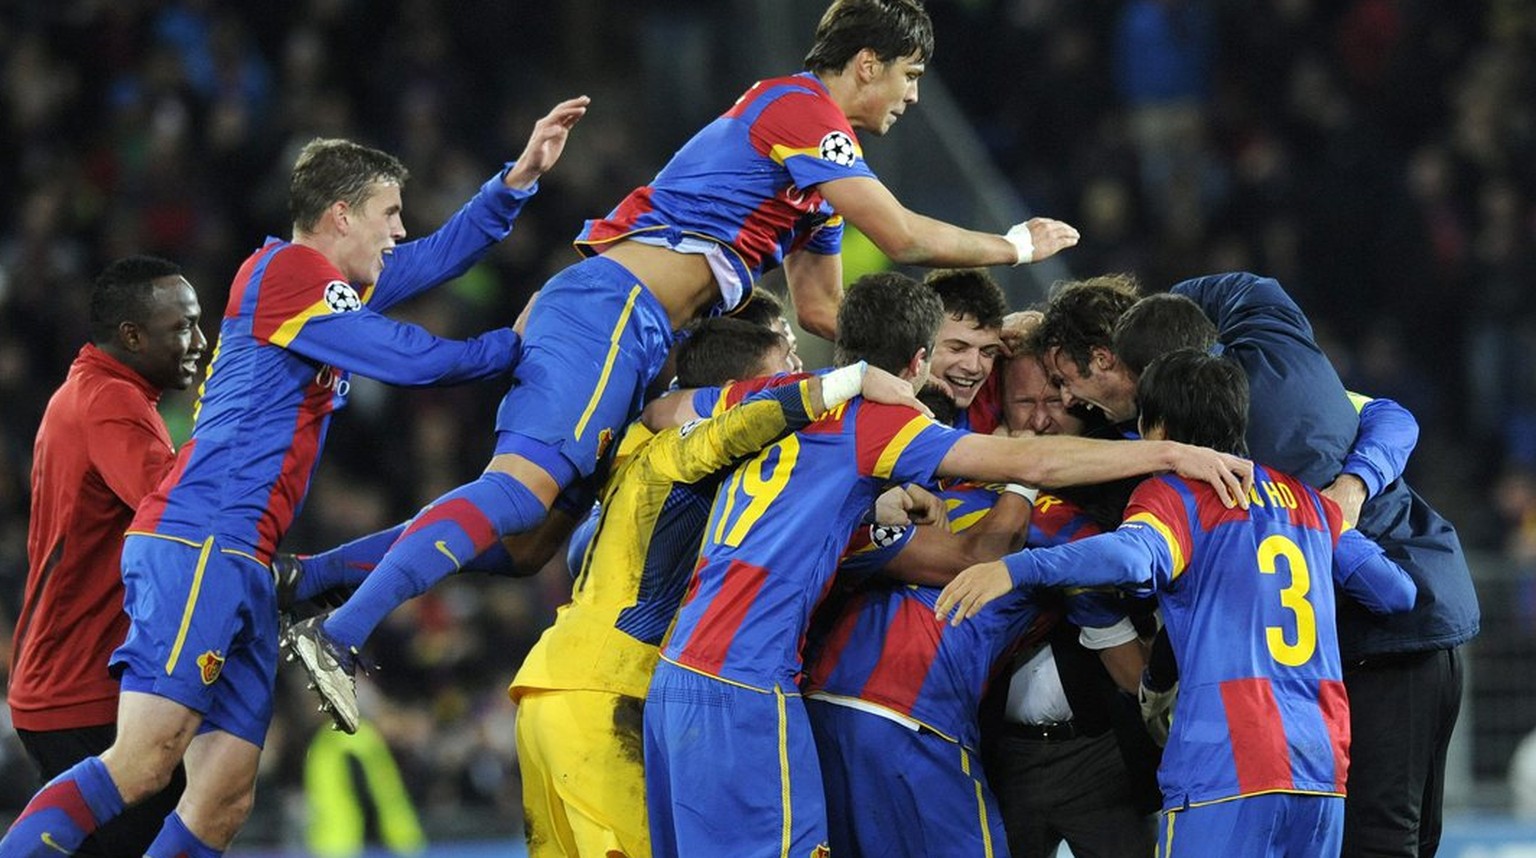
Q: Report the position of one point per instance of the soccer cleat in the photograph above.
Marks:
(332, 670)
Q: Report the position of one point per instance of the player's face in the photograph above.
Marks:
(1108, 388)
(1033, 402)
(792, 360)
(375, 226)
(893, 88)
(779, 359)
(167, 344)
(963, 356)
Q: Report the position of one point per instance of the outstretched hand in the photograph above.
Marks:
(971, 590)
(1231, 476)
(1046, 237)
(546, 142)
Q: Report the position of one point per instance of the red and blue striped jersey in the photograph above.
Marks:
(776, 531)
(886, 647)
(292, 331)
(747, 181)
(1250, 611)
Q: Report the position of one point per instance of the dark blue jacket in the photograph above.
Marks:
(1301, 421)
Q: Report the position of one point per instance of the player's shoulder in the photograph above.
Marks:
(793, 97)
(297, 265)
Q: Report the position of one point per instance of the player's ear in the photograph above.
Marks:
(340, 214)
(867, 64)
(129, 335)
(1101, 359)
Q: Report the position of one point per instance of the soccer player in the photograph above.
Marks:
(101, 448)
(582, 686)
(768, 183)
(200, 658)
(1306, 424)
(1259, 751)
(730, 765)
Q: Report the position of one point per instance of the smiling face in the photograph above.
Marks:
(166, 344)
(888, 88)
(1106, 385)
(370, 231)
(963, 356)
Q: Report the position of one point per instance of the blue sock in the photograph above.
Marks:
(455, 529)
(175, 841)
(64, 812)
(346, 565)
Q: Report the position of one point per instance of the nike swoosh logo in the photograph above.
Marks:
(443, 547)
(54, 844)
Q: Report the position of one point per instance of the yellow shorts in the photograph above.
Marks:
(583, 783)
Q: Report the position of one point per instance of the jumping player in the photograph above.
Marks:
(768, 183)
(200, 659)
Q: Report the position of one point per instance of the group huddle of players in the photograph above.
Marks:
(767, 651)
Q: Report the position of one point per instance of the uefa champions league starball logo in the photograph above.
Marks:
(341, 297)
(837, 147)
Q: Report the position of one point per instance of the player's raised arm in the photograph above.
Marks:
(546, 143)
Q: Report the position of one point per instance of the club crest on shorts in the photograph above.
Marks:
(837, 147)
(341, 297)
(210, 664)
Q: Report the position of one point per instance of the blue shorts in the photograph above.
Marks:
(730, 770)
(895, 791)
(202, 632)
(595, 339)
(1258, 826)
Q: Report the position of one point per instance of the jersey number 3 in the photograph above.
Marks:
(1294, 599)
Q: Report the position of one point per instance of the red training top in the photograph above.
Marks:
(101, 448)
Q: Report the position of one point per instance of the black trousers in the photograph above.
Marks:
(127, 836)
(1077, 790)
(1402, 711)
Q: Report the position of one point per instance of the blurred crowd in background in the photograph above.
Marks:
(1374, 155)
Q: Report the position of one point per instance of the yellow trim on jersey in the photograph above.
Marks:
(290, 329)
(887, 461)
(234, 552)
(613, 353)
(774, 690)
(186, 612)
(784, 793)
(1319, 793)
(781, 153)
(1357, 399)
(1157, 524)
(187, 542)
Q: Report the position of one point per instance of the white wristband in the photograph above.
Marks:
(1024, 492)
(1018, 236)
(843, 384)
